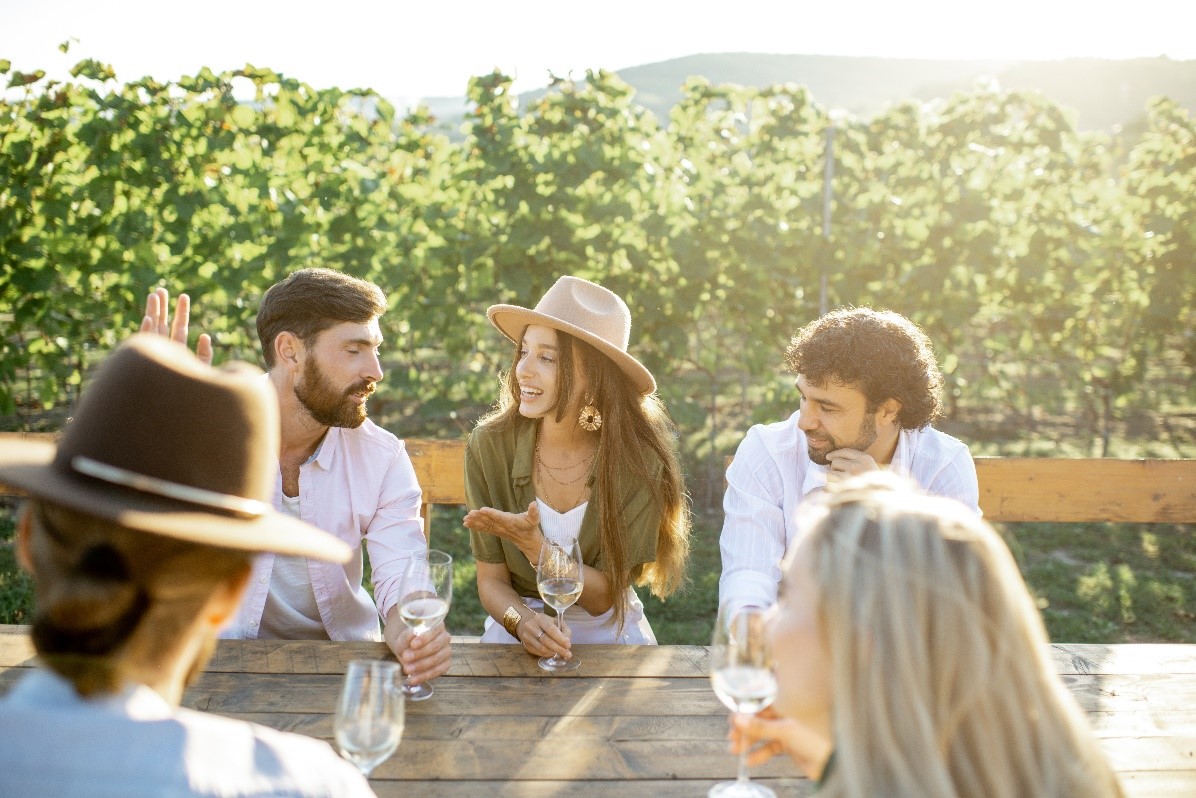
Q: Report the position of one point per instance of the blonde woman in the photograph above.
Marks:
(139, 537)
(579, 447)
(907, 644)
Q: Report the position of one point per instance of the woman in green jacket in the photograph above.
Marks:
(579, 447)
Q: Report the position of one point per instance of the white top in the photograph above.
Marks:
(561, 527)
(291, 611)
(135, 745)
(769, 479)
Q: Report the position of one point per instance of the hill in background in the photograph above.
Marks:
(1101, 93)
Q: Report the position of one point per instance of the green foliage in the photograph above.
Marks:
(1053, 269)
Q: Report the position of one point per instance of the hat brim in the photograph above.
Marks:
(28, 465)
(512, 321)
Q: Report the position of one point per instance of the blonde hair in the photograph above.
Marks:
(942, 682)
(113, 604)
(637, 443)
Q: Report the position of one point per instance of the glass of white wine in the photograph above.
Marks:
(743, 679)
(369, 714)
(560, 578)
(427, 592)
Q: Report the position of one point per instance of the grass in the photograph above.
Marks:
(1111, 583)
(1095, 583)
(16, 590)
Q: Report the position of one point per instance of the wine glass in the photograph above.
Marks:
(427, 591)
(369, 715)
(560, 577)
(741, 672)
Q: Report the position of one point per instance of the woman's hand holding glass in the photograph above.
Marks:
(427, 592)
(743, 679)
(560, 577)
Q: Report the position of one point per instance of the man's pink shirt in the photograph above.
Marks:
(359, 486)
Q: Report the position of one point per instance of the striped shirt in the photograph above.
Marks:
(772, 474)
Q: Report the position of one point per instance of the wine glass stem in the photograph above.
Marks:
(743, 766)
(407, 676)
(560, 627)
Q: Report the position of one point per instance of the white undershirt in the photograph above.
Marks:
(291, 612)
(561, 527)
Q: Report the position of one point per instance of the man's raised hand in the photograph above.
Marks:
(157, 320)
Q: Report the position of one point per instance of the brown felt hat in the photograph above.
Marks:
(162, 443)
(585, 310)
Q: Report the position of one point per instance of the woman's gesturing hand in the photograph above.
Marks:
(522, 529)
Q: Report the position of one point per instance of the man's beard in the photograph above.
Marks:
(327, 405)
(866, 437)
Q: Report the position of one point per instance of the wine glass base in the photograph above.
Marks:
(419, 692)
(556, 664)
(740, 789)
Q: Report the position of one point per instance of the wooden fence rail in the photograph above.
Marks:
(1011, 488)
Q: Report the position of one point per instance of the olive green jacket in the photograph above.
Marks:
(498, 474)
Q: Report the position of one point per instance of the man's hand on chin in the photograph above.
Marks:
(845, 462)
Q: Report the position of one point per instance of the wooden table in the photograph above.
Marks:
(634, 721)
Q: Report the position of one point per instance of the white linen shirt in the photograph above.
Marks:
(770, 477)
(135, 745)
(360, 486)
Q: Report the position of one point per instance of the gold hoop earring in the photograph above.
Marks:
(590, 419)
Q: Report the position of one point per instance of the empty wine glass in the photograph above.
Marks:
(369, 715)
(743, 679)
(560, 577)
(426, 592)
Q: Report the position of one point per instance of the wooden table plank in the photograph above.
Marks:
(673, 788)
(498, 696)
(1140, 658)
(1105, 724)
(516, 727)
(486, 659)
(551, 696)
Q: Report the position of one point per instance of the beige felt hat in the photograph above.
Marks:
(585, 310)
(162, 443)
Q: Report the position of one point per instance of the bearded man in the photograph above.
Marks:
(337, 470)
(869, 387)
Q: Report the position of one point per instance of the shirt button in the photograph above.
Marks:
(253, 623)
(262, 580)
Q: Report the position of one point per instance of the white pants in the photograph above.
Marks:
(586, 628)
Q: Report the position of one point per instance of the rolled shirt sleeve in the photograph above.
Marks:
(396, 531)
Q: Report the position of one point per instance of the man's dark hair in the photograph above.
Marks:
(310, 301)
(880, 353)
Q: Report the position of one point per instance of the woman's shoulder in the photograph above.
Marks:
(502, 440)
(496, 431)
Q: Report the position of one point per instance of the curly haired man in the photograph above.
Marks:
(869, 388)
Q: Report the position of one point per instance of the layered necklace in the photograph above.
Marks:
(543, 469)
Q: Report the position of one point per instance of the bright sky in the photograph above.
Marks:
(408, 50)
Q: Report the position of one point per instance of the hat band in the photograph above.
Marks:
(251, 508)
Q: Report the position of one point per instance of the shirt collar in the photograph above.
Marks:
(525, 449)
(45, 688)
(325, 453)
